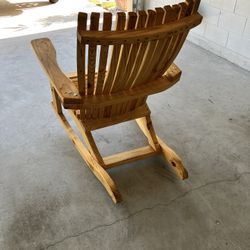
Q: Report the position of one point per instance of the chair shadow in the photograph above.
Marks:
(14, 9)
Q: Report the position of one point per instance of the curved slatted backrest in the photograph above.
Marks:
(140, 49)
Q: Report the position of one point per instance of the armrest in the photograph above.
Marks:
(173, 73)
(66, 90)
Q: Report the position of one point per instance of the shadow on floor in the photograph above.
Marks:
(58, 19)
(14, 9)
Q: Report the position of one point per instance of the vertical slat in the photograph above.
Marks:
(178, 42)
(184, 9)
(120, 25)
(81, 25)
(136, 73)
(94, 25)
(152, 51)
(141, 21)
(172, 14)
(196, 5)
(107, 23)
(118, 82)
(193, 6)
(190, 4)
(187, 8)
(121, 74)
(140, 63)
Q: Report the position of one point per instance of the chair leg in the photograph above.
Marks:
(92, 163)
(89, 140)
(147, 128)
(56, 100)
(170, 156)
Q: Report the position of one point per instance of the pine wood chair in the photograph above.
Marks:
(116, 71)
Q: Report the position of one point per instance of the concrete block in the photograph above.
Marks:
(216, 34)
(243, 8)
(200, 29)
(205, 43)
(247, 29)
(238, 44)
(224, 4)
(232, 22)
(211, 14)
(158, 3)
(236, 58)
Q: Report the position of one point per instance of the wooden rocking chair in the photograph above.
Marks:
(116, 71)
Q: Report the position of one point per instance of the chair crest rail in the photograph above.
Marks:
(140, 35)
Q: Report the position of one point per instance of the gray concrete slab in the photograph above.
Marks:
(24, 17)
(50, 200)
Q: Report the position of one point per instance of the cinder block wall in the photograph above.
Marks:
(225, 30)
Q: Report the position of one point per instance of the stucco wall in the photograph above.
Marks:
(225, 30)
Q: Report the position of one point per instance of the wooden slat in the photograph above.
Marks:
(164, 45)
(102, 123)
(136, 73)
(120, 25)
(190, 6)
(107, 24)
(172, 14)
(129, 156)
(115, 57)
(94, 25)
(141, 21)
(81, 53)
(184, 9)
(152, 54)
(178, 41)
(196, 6)
(122, 72)
(120, 75)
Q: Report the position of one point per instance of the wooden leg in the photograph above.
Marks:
(171, 157)
(147, 128)
(89, 140)
(94, 166)
(56, 100)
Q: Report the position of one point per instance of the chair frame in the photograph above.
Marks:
(67, 92)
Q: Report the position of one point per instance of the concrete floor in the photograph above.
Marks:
(24, 17)
(50, 200)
